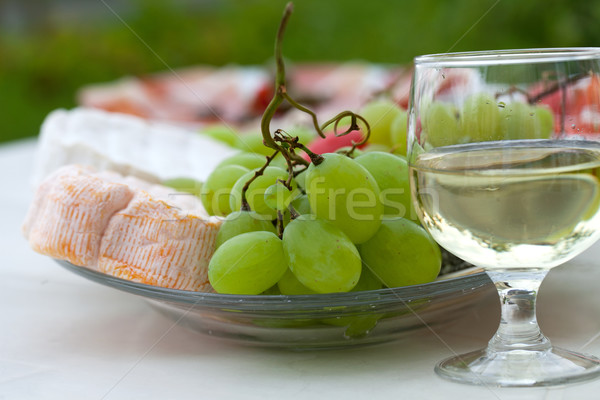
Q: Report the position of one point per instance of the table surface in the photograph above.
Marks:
(64, 337)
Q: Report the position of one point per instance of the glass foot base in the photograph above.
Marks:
(520, 368)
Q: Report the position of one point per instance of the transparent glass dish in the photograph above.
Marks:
(312, 321)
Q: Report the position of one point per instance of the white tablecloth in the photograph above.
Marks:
(63, 337)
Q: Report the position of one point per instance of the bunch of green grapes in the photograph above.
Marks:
(483, 118)
(333, 224)
(341, 229)
(342, 223)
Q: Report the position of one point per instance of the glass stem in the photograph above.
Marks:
(518, 329)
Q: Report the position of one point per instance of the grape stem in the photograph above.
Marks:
(277, 141)
(314, 157)
(257, 173)
(280, 87)
(353, 127)
(298, 172)
(279, 224)
(559, 85)
(293, 213)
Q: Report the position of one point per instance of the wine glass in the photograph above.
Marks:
(504, 156)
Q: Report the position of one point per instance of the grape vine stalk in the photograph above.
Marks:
(285, 144)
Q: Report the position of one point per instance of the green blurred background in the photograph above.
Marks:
(50, 48)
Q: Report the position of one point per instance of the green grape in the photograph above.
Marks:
(367, 281)
(402, 253)
(355, 153)
(481, 118)
(592, 210)
(342, 191)
(398, 133)
(222, 133)
(255, 195)
(380, 114)
(253, 142)
(239, 222)
(374, 147)
(300, 178)
(441, 124)
(272, 291)
(362, 325)
(278, 197)
(357, 326)
(290, 285)
(216, 190)
(391, 174)
(519, 121)
(320, 255)
(249, 263)
(187, 185)
(244, 159)
(301, 204)
(278, 161)
(546, 118)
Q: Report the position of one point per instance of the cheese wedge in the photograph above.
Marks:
(123, 226)
(152, 151)
(70, 212)
(153, 243)
(185, 202)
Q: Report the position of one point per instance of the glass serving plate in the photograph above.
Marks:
(312, 321)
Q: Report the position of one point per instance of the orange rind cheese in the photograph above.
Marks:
(153, 243)
(70, 212)
(107, 222)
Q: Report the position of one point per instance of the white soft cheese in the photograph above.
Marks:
(126, 144)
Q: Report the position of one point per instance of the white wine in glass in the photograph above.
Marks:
(504, 154)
